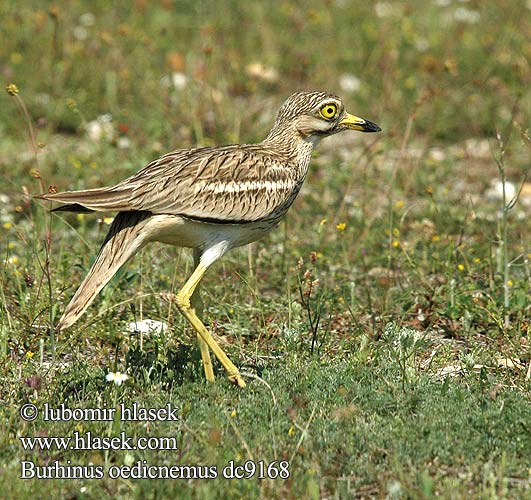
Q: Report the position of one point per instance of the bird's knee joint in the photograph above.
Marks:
(183, 302)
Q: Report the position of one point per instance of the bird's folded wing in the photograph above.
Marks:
(230, 184)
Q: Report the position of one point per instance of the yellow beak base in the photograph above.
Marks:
(355, 123)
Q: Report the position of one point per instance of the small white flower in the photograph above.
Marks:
(259, 71)
(387, 9)
(478, 148)
(395, 489)
(12, 260)
(349, 83)
(177, 79)
(123, 143)
(421, 44)
(147, 326)
(94, 130)
(117, 377)
(80, 33)
(437, 154)
(100, 128)
(87, 19)
(495, 191)
(467, 16)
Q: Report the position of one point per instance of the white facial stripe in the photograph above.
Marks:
(329, 102)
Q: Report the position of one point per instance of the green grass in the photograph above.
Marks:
(403, 371)
(345, 426)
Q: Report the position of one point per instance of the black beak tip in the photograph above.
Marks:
(371, 127)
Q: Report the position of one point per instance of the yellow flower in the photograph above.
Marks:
(16, 57)
(396, 231)
(291, 431)
(477, 260)
(510, 283)
(75, 162)
(80, 217)
(8, 225)
(435, 238)
(410, 82)
(30, 354)
(108, 220)
(399, 204)
(396, 243)
(233, 414)
(450, 65)
(341, 226)
(11, 89)
(460, 267)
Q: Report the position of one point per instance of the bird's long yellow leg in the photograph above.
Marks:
(183, 303)
(197, 304)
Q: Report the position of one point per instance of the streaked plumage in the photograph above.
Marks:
(208, 199)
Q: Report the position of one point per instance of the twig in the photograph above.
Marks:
(261, 380)
(303, 434)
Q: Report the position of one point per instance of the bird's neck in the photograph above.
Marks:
(291, 141)
(295, 148)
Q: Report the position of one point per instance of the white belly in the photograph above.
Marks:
(182, 232)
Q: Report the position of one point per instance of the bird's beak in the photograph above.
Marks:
(354, 123)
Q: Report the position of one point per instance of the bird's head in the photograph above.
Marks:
(318, 114)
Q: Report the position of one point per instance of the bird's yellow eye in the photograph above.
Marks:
(328, 111)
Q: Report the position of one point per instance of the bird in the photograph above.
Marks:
(209, 199)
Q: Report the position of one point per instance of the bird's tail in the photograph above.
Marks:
(105, 199)
(125, 237)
